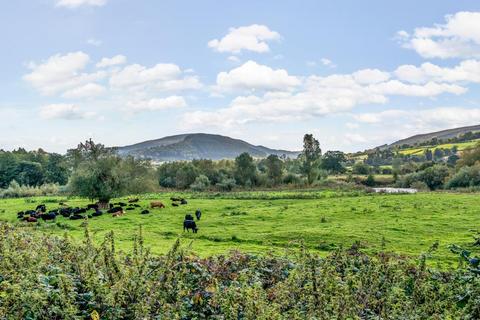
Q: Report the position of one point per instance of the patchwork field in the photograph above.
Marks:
(420, 150)
(260, 222)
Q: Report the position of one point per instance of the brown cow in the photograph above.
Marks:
(156, 204)
(117, 214)
(133, 200)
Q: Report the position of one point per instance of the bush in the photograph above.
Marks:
(47, 277)
(201, 183)
(465, 177)
(370, 181)
(361, 168)
(226, 184)
(15, 190)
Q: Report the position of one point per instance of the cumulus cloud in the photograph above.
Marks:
(72, 4)
(157, 104)
(370, 76)
(327, 62)
(90, 90)
(250, 38)
(64, 111)
(135, 74)
(254, 76)
(113, 61)
(459, 36)
(94, 42)
(466, 71)
(61, 72)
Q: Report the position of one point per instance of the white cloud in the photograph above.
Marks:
(234, 59)
(113, 61)
(251, 38)
(90, 90)
(466, 71)
(135, 74)
(61, 72)
(328, 63)
(458, 37)
(157, 104)
(253, 76)
(370, 76)
(94, 42)
(430, 89)
(64, 111)
(72, 4)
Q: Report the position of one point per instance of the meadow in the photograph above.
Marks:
(421, 150)
(261, 222)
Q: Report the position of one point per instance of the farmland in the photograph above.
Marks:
(420, 150)
(260, 222)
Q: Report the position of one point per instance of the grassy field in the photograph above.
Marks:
(259, 222)
(420, 150)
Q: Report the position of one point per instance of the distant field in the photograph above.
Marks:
(259, 222)
(420, 150)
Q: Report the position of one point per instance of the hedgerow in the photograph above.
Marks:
(47, 277)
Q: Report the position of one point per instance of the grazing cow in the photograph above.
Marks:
(130, 208)
(145, 212)
(79, 210)
(31, 219)
(198, 214)
(115, 209)
(183, 201)
(156, 204)
(175, 199)
(48, 216)
(92, 206)
(30, 212)
(41, 208)
(77, 217)
(20, 215)
(133, 200)
(122, 204)
(190, 224)
(174, 204)
(97, 213)
(189, 217)
(136, 205)
(66, 212)
(111, 205)
(117, 214)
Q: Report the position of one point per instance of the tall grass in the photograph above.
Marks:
(45, 277)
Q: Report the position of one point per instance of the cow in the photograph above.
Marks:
(79, 210)
(190, 224)
(92, 206)
(41, 208)
(77, 217)
(156, 204)
(121, 204)
(30, 212)
(174, 204)
(145, 212)
(48, 216)
(133, 200)
(183, 201)
(66, 212)
(198, 214)
(189, 217)
(130, 208)
(31, 219)
(20, 214)
(115, 209)
(136, 205)
(117, 214)
(175, 199)
(97, 213)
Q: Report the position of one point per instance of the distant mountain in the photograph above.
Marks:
(440, 135)
(197, 146)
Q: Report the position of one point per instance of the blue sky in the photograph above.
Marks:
(357, 74)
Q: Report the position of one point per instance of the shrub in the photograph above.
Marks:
(465, 177)
(201, 183)
(15, 190)
(226, 184)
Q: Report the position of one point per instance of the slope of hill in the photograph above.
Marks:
(440, 135)
(197, 146)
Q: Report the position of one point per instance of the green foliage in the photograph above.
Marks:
(433, 176)
(361, 168)
(15, 190)
(201, 183)
(274, 168)
(465, 177)
(310, 158)
(333, 161)
(245, 170)
(370, 181)
(45, 277)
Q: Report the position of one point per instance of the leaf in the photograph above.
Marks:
(94, 315)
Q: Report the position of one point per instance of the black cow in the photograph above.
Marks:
(77, 211)
(66, 212)
(174, 204)
(133, 200)
(189, 217)
(30, 212)
(145, 212)
(115, 209)
(20, 214)
(130, 208)
(41, 208)
(48, 216)
(97, 213)
(198, 214)
(136, 205)
(175, 199)
(183, 201)
(92, 206)
(190, 224)
(77, 217)
(122, 204)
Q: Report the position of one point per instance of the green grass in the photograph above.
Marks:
(273, 221)
(420, 150)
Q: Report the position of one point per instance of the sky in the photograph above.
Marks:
(356, 74)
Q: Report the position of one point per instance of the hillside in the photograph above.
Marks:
(440, 135)
(197, 146)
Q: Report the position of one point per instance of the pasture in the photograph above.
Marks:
(273, 221)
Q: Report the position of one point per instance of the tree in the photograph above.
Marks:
(332, 161)
(245, 170)
(310, 157)
(428, 155)
(361, 168)
(56, 170)
(469, 157)
(370, 181)
(274, 168)
(201, 183)
(186, 175)
(29, 173)
(100, 174)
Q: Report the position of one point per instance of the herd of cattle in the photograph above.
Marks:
(93, 210)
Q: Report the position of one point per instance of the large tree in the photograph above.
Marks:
(333, 161)
(245, 170)
(274, 168)
(102, 175)
(310, 157)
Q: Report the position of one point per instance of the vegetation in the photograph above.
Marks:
(44, 277)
